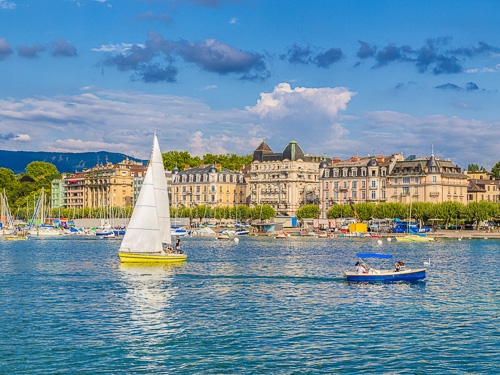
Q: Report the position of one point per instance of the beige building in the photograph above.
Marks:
(427, 179)
(356, 180)
(286, 180)
(112, 185)
(104, 185)
(482, 187)
(207, 185)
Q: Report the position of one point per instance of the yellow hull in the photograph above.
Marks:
(151, 258)
(16, 238)
(414, 238)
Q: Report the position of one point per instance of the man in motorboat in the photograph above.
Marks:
(360, 268)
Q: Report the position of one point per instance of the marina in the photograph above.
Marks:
(259, 305)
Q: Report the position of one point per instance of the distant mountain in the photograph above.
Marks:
(66, 162)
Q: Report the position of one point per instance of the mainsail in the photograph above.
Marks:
(149, 225)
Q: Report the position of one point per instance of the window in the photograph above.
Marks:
(345, 184)
(326, 184)
(406, 190)
(363, 195)
(354, 184)
(373, 183)
(354, 173)
(374, 194)
(336, 185)
(363, 184)
(395, 180)
(434, 179)
(406, 180)
(416, 180)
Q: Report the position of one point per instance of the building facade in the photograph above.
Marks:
(207, 185)
(356, 180)
(104, 185)
(286, 180)
(426, 179)
(482, 187)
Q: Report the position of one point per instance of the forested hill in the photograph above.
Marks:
(64, 161)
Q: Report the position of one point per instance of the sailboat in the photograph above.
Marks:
(148, 238)
(413, 236)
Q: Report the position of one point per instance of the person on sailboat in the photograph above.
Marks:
(178, 244)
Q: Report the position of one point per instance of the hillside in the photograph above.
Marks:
(64, 161)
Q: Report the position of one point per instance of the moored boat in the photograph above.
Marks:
(415, 238)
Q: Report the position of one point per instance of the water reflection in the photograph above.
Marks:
(148, 310)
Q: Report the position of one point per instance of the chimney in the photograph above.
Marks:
(218, 165)
(336, 160)
(355, 158)
(186, 167)
(379, 158)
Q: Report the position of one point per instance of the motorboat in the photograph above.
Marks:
(364, 273)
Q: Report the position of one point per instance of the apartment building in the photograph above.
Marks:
(207, 185)
(426, 179)
(356, 180)
(285, 180)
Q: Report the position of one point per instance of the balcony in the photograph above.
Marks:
(434, 194)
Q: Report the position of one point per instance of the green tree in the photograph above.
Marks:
(495, 171)
(309, 211)
(10, 183)
(339, 210)
(262, 212)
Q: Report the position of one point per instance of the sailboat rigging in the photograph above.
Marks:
(148, 237)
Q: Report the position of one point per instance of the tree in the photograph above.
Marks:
(495, 171)
(263, 212)
(10, 183)
(309, 211)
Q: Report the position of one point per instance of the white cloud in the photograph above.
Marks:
(118, 48)
(119, 121)
(22, 138)
(233, 21)
(4, 4)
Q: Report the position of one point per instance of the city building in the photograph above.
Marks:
(104, 185)
(482, 187)
(286, 180)
(74, 187)
(356, 180)
(426, 179)
(58, 193)
(207, 185)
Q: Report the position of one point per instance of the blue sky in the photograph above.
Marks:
(342, 78)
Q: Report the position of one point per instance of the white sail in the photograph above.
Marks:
(146, 230)
(161, 193)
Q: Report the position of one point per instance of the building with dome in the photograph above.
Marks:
(356, 180)
(286, 180)
(427, 179)
(207, 185)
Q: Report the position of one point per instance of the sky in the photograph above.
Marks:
(342, 78)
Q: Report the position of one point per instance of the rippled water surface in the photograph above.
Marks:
(260, 306)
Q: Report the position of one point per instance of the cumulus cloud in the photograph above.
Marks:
(287, 112)
(5, 49)
(211, 56)
(61, 47)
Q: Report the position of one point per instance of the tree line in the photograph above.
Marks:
(445, 212)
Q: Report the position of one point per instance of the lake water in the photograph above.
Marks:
(260, 306)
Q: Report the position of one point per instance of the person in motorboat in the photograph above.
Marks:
(360, 268)
(400, 266)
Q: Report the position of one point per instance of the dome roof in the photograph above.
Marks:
(432, 164)
(212, 170)
(372, 163)
(323, 164)
(175, 170)
(293, 152)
